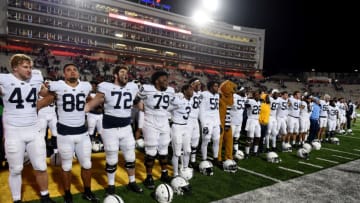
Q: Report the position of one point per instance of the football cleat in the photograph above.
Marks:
(149, 182)
(133, 186)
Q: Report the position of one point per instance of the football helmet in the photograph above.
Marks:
(55, 159)
(140, 143)
(286, 147)
(164, 193)
(113, 199)
(335, 140)
(272, 157)
(239, 155)
(307, 147)
(180, 185)
(230, 166)
(206, 168)
(302, 153)
(186, 173)
(316, 145)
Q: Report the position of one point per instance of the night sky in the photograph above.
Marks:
(300, 35)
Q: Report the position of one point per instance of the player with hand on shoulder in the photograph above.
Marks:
(19, 91)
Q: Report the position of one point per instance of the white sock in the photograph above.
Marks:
(111, 178)
(175, 163)
(131, 178)
(15, 186)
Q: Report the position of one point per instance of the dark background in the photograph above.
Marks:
(300, 34)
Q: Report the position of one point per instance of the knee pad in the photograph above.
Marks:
(86, 164)
(163, 159)
(130, 165)
(66, 165)
(110, 168)
(16, 170)
(149, 161)
(150, 150)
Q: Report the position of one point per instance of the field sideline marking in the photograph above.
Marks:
(259, 174)
(358, 138)
(342, 157)
(327, 160)
(334, 150)
(309, 164)
(291, 170)
(358, 150)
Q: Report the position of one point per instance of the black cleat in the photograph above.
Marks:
(110, 190)
(18, 201)
(68, 199)
(46, 199)
(133, 186)
(193, 165)
(165, 177)
(90, 196)
(247, 156)
(149, 183)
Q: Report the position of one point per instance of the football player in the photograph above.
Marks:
(180, 131)
(156, 129)
(252, 127)
(118, 98)
(324, 104)
(293, 121)
(193, 121)
(19, 91)
(210, 119)
(305, 112)
(95, 116)
(333, 113)
(281, 116)
(73, 135)
(48, 118)
(236, 114)
(272, 126)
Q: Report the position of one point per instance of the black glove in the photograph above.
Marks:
(53, 142)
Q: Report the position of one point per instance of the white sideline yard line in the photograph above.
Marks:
(309, 164)
(291, 170)
(259, 174)
(347, 158)
(334, 150)
(358, 138)
(327, 160)
(358, 150)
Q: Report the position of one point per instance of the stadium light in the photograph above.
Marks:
(210, 5)
(356, 70)
(201, 18)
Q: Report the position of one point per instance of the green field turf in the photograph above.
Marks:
(222, 184)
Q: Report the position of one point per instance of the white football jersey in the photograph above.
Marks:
(237, 109)
(283, 108)
(274, 105)
(19, 98)
(195, 105)
(118, 100)
(70, 102)
(181, 110)
(324, 108)
(342, 109)
(156, 102)
(253, 109)
(294, 108)
(332, 112)
(304, 113)
(209, 107)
